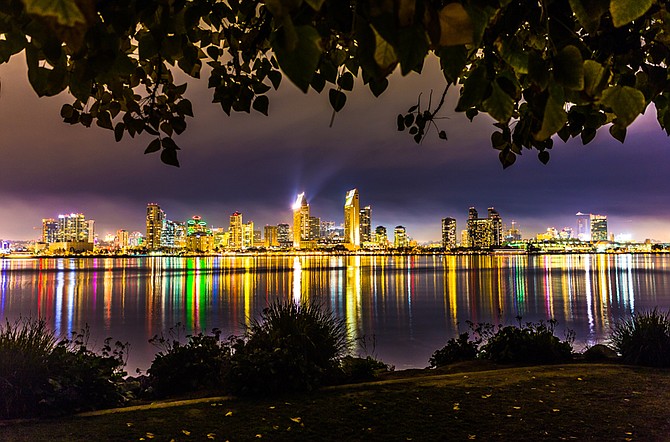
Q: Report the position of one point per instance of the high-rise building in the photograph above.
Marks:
(168, 234)
(199, 237)
(366, 224)
(284, 236)
(448, 233)
(465, 239)
(72, 228)
(314, 228)
(236, 235)
(484, 232)
(598, 227)
(122, 239)
(301, 227)
(49, 230)
(583, 226)
(271, 236)
(381, 238)
(352, 224)
(513, 234)
(248, 234)
(155, 220)
(400, 238)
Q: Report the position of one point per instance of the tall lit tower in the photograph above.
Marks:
(448, 233)
(583, 226)
(352, 223)
(366, 224)
(496, 226)
(598, 227)
(155, 219)
(301, 227)
(49, 230)
(72, 228)
(236, 231)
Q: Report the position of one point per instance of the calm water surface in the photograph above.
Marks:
(410, 304)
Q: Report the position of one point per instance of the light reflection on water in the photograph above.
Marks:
(410, 304)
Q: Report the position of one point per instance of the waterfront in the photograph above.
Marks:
(410, 304)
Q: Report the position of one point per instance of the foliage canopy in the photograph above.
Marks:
(539, 68)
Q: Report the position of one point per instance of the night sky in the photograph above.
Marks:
(256, 165)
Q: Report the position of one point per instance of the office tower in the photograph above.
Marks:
(180, 233)
(72, 228)
(583, 226)
(448, 233)
(366, 224)
(199, 237)
(300, 221)
(496, 226)
(258, 238)
(400, 238)
(122, 239)
(513, 234)
(327, 229)
(248, 234)
(155, 220)
(168, 234)
(236, 234)
(484, 232)
(221, 236)
(314, 228)
(49, 230)
(284, 236)
(598, 227)
(381, 238)
(90, 226)
(352, 224)
(136, 239)
(465, 239)
(271, 236)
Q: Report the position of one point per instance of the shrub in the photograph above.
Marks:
(456, 350)
(178, 368)
(644, 339)
(291, 347)
(529, 343)
(40, 375)
(359, 369)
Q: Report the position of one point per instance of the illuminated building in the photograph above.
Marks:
(448, 233)
(598, 227)
(465, 240)
(221, 237)
(49, 230)
(381, 238)
(258, 237)
(583, 226)
(236, 240)
(484, 232)
(155, 220)
(122, 239)
(352, 224)
(301, 230)
(72, 228)
(271, 236)
(366, 224)
(513, 234)
(284, 236)
(400, 238)
(199, 238)
(136, 239)
(180, 233)
(314, 228)
(248, 234)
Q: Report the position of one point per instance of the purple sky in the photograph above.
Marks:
(256, 165)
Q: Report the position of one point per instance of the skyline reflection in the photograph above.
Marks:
(407, 305)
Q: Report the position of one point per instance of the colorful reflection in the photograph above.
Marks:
(404, 306)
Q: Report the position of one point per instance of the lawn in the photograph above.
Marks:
(566, 402)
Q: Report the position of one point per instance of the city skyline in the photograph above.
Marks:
(257, 164)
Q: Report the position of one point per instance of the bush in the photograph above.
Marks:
(456, 350)
(40, 375)
(643, 339)
(198, 364)
(291, 347)
(529, 343)
(359, 369)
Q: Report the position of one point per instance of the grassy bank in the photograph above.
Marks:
(576, 401)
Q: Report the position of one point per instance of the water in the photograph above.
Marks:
(405, 306)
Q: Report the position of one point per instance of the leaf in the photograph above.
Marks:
(499, 105)
(589, 12)
(569, 68)
(543, 156)
(473, 89)
(169, 157)
(119, 130)
(455, 25)
(595, 78)
(315, 4)
(377, 87)
(346, 81)
(261, 104)
(66, 12)
(337, 99)
(412, 48)
(385, 55)
(625, 101)
(618, 133)
(300, 63)
(625, 11)
(553, 120)
(442, 135)
(154, 146)
(452, 61)
(507, 158)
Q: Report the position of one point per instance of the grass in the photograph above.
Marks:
(564, 402)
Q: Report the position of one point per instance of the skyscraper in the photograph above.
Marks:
(236, 236)
(598, 227)
(583, 226)
(49, 230)
(352, 224)
(248, 234)
(271, 236)
(484, 232)
(400, 238)
(155, 219)
(284, 236)
(449, 233)
(72, 228)
(496, 226)
(301, 227)
(366, 224)
(381, 238)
